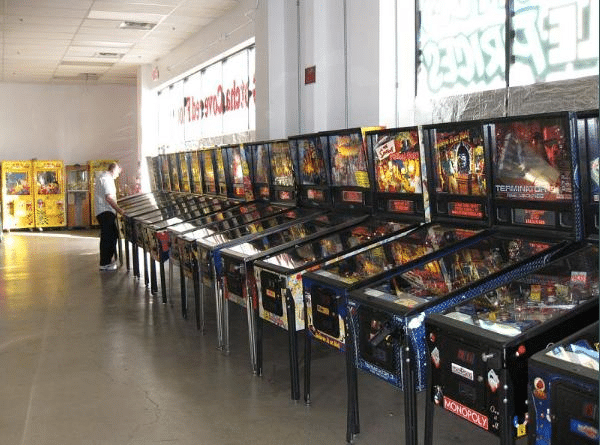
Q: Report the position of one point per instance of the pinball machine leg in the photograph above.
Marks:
(219, 311)
(352, 416)
(183, 292)
(225, 311)
(163, 281)
(410, 399)
(293, 345)
(259, 342)
(126, 246)
(153, 278)
(251, 320)
(119, 248)
(146, 272)
(201, 297)
(307, 357)
(171, 275)
(307, 365)
(198, 302)
(136, 259)
(429, 411)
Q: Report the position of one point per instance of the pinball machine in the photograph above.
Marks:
(486, 367)
(163, 203)
(311, 160)
(304, 220)
(398, 196)
(183, 206)
(184, 160)
(504, 327)
(78, 196)
(174, 172)
(17, 195)
(182, 236)
(49, 194)
(563, 390)
(535, 213)
(155, 231)
(277, 271)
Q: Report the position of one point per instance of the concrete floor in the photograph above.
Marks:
(89, 357)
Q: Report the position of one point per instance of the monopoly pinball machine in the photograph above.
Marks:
(535, 218)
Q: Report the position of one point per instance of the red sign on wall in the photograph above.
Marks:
(310, 75)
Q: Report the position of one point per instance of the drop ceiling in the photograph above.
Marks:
(99, 41)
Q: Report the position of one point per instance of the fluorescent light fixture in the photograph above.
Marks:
(102, 44)
(94, 64)
(122, 16)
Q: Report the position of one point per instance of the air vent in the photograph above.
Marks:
(109, 55)
(89, 76)
(78, 77)
(144, 26)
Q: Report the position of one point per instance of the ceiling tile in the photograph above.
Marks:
(36, 36)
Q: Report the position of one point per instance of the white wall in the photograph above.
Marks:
(72, 123)
(340, 38)
(289, 37)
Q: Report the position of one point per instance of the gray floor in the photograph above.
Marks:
(89, 357)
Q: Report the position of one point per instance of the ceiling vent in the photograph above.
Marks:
(109, 55)
(89, 76)
(79, 77)
(142, 26)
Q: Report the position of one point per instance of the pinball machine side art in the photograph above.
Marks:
(17, 195)
(49, 194)
(96, 169)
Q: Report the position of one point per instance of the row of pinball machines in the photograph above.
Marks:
(407, 249)
(43, 194)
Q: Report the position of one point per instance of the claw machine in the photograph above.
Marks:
(49, 194)
(563, 391)
(17, 195)
(491, 336)
(536, 205)
(78, 196)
